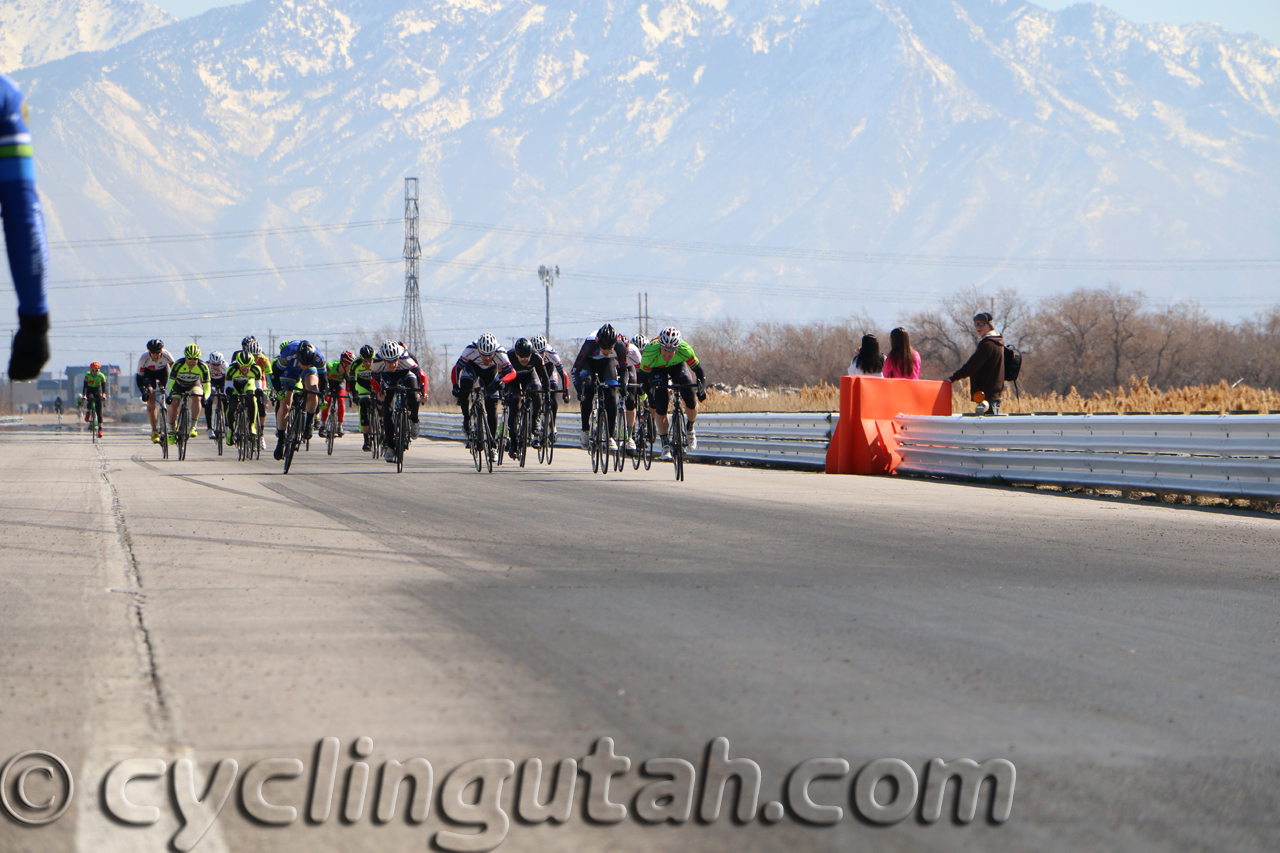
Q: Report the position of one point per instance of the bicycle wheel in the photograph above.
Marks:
(541, 429)
(600, 437)
(402, 433)
(475, 440)
(650, 437)
(486, 442)
(375, 428)
(219, 422)
(183, 427)
(637, 438)
(331, 426)
(549, 433)
(292, 434)
(619, 436)
(677, 440)
(593, 444)
(525, 427)
(162, 426)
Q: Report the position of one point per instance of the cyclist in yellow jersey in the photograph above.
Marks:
(190, 374)
(244, 379)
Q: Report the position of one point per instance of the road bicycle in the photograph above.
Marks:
(218, 418)
(679, 428)
(598, 430)
(645, 434)
(520, 439)
(620, 430)
(246, 442)
(375, 428)
(162, 418)
(182, 426)
(295, 429)
(95, 421)
(480, 440)
(401, 423)
(545, 429)
(331, 422)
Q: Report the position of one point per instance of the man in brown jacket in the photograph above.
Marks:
(985, 368)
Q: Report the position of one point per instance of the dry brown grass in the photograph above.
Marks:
(818, 398)
(1139, 396)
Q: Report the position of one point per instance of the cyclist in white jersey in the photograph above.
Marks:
(153, 373)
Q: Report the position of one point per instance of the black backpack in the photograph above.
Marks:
(1012, 364)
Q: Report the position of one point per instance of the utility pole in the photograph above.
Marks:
(639, 327)
(646, 314)
(412, 328)
(548, 275)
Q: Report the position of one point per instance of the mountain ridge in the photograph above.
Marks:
(916, 127)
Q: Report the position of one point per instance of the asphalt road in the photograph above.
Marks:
(1124, 658)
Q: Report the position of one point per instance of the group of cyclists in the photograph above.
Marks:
(249, 378)
(624, 370)
(608, 363)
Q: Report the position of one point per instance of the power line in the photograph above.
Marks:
(129, 281)
(94, 243)
(868, 257)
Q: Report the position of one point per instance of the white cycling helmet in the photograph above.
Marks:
(216, 359)
(539, 343)
(639, 341)
(669, 338)
(253, 348)
(487, 344)
(389, 351)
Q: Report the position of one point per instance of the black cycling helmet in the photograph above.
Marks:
(306, 354)
(246, 340)
(366, 351)
(606, 337)
(154, 346)
(523, 348)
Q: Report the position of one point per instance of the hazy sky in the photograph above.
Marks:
(1238, 16)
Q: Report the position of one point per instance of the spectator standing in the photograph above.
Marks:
(985, 368)
(903, 361)
(867, 361)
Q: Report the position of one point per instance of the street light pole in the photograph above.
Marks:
(548, 275)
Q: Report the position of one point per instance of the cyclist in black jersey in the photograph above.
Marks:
(598, 365)
(530, 379)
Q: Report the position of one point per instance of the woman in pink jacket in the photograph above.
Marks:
(903, 362)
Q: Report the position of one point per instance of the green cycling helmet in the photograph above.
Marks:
(192, 351)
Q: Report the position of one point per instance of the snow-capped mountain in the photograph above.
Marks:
(37, 31)
(931, 128)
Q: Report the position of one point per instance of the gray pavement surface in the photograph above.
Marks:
(1123, 657)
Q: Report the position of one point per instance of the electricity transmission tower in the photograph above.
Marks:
(548, 275)
(412, 329)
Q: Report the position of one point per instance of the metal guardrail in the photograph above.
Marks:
(11, 420)
(798, 440)
(1235, 456)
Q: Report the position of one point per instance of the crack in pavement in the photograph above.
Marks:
(161, 714)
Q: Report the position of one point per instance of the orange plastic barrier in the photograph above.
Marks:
(863, 441)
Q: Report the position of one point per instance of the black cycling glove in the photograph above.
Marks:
(30, 347)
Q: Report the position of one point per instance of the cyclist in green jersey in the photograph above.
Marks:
(359, 384)
(336, 374)
(95, 387)
(668, 356)
(190, 374)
